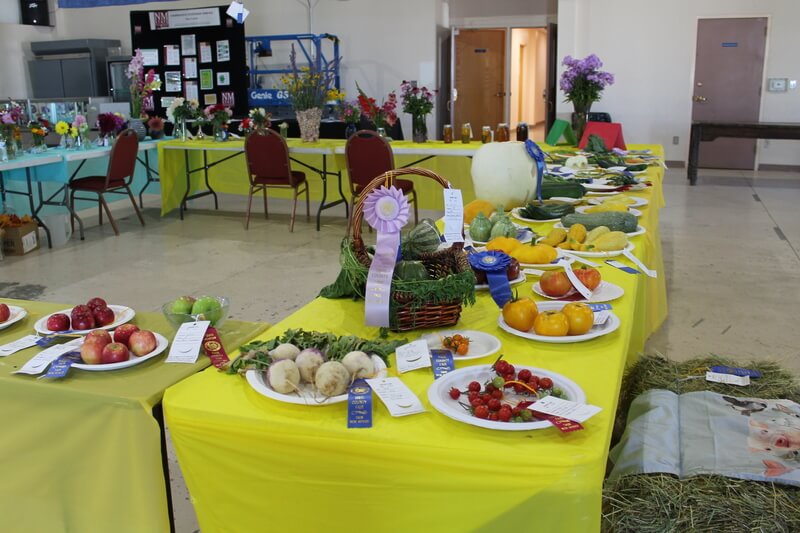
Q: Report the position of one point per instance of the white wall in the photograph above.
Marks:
(649, 45)
(484, 8)
(540, 76)
(382, 42)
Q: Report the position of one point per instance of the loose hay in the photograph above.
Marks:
(662, 503)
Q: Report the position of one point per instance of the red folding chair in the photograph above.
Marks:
(118, 178)
(368, 156)
(268, 167)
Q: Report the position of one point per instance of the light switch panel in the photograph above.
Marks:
(777, 85)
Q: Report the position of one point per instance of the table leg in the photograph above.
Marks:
(32, 204)
(158, 414)
(149, 177)
(208, 185)
(694, 154)
(183, 206)
(324, 176)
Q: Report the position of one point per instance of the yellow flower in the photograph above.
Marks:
(73, 131)
(62, 127)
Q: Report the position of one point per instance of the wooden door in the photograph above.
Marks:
(480, 74)
(551, 90)
(728, 75)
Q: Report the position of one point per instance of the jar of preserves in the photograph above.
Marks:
(466, 133)
(501, 135)
(522, 131)
(447, 134)
(486, 134)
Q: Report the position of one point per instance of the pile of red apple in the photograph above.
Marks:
(94, 314)
(5, 313)
(99, 348)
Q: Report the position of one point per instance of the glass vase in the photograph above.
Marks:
(11, 145)
(38, 145)
(309, 120)
(179, 132)
(579, 118)
(220, 132)
(350, 130)
(419, 128)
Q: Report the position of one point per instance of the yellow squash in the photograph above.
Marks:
(555, 237)
(538, 254)
(503, 244)
(610, 242)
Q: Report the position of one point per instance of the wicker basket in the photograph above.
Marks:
(449, 266)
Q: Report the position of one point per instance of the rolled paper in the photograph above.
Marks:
(538, 156)
(494, 263)
(386, 210)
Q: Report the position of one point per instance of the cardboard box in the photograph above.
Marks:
(21, 240)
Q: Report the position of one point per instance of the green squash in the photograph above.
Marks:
(499, 212)
(503, 228)
(411, 271)
(423, 239)
(481, 228)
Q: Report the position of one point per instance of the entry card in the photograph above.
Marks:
(396, 396)
(577, 412)
(728, 379)
(38, 363)
(187, 342)
(453, 216)
(412, 356)
(601, 313)
(18, 345)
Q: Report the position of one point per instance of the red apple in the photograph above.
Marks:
(80, 310)
(123, 333)
(58, 322)
(92, 353)
(98, 336)
(96, 302)
(103, 316)
(114, 353)
(142, 342)
(5, 313)
(83, 322)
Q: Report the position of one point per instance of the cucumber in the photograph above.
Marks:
(615, 221)
(558, 187)
(546, 212)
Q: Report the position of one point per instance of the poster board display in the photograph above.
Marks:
(177, 41)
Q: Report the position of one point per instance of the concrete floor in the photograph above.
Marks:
(731, 251)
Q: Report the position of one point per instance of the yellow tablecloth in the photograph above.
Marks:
(253, 463)
(83, 453)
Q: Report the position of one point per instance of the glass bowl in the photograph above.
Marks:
(217, 319)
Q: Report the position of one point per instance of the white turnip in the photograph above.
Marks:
(283, 376)
(308, 362)
(359, 365)
(284, 351)
(332, 378)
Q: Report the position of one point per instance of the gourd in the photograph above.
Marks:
(611, 241)
(503, 228)
(472, 209)
(606, 208)
(504, 173)
(503, 244)
(624, 222)
(555, 237)
(538, 254)
(481, 228)
(424, 238)
(499, 213)
(594, 234)
(411, 271)
(546, 212)
(576, 234)
(569, 189)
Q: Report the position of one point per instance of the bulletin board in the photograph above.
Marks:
(197, 54)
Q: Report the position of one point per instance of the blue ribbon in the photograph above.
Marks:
(494, 263)
(538, 156)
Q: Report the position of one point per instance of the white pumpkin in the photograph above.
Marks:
(504, 173)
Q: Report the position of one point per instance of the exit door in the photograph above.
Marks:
(728, 76)
(479, 79)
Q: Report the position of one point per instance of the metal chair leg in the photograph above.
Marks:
(135, 207)
(73, 215)
(294, 210)
(308, 204)
(266, 213)
(249, 207)
(108, 212)
(99, 212)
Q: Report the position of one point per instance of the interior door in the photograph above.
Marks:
(480, 63)
(551, 91)
(728, 76)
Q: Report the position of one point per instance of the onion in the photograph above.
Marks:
(283, 376)
(308, 361)
(332, 378)
(359, 365)
(284, 351)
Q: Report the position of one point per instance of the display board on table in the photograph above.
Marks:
(198, 54)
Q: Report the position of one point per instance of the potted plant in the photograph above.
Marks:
(381, 115)
(418, 102)
(350, 113)
(309, 89)
(218, 115)
(142, 86)
(583, 83)
(10, 116)
(109, 124)
(180, 111)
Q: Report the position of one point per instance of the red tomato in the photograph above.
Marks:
(555, 284)
(588, 276)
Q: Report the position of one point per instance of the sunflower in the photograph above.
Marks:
(62, 127)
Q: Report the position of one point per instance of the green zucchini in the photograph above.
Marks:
(559, 187)
(546, 212)
(615, 221)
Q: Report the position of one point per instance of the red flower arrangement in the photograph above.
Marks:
(382, 115)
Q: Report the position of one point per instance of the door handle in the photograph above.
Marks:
(500, 94)
(700, 98)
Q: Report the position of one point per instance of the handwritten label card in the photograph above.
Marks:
(18, 345)
(577, 412)
(187, 342)
(38, 363)
(453, 216)
(412, 356)
(396, 396)
(728, 379)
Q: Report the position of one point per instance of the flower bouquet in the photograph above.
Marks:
(142, 85)
(10, 117)
(79, 131)
(178, 112)
(418, 102)
(381, 115)
(583, 83)
(109, 124)
(218, 115)
(39, 130)
(309, 89)
(350, 113)
(156, 127)
(62, 129)
(259, 118)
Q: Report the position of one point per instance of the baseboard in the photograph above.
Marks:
(780, 168)
(675, 164)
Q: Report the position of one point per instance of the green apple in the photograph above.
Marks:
(209, 307)
(182, 305)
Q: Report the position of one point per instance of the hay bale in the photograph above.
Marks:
(662, 503)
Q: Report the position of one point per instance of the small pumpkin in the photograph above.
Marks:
(503, 228)
(411, 271)
(481, 228)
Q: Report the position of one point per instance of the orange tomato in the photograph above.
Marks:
(580, 317)
(520, 313)
(551, 324)
(588, 276)
(555, 284)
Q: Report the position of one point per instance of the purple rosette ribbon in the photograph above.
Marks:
(494, 263)
(386, 210)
